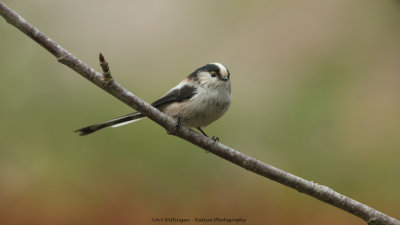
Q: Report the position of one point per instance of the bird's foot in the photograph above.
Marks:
(216, 139)
(176, 126)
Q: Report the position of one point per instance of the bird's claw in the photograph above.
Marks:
(178, 123)
(176, 126)
(215, 138)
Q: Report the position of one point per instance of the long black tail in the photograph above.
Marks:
(115, 122)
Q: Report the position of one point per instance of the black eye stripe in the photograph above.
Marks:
(210, 67)
(207, 68)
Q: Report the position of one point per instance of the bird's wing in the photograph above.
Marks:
(178, 94)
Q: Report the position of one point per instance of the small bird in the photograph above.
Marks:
(197, 101)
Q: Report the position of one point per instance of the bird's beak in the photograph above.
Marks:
(225, 78)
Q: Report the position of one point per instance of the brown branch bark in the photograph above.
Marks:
(323, 193)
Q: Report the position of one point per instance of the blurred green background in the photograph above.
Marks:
(316, 92)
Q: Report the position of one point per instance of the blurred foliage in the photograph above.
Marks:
(315, 92)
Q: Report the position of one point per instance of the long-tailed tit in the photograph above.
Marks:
(200, 99)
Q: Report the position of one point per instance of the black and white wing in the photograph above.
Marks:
(178, 94)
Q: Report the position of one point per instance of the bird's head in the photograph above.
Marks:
(212, 74)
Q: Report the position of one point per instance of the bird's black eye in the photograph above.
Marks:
(213, 73)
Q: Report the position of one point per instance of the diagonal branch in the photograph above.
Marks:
(106, 83)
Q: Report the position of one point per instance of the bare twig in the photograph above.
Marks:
(315, 190)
